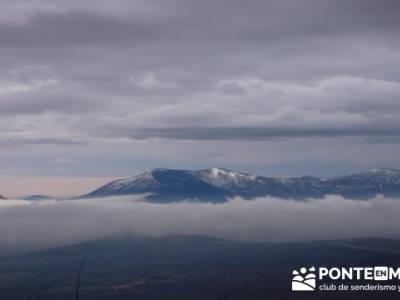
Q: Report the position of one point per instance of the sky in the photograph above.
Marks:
(92, 90)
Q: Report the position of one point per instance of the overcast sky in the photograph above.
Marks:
(94, 89)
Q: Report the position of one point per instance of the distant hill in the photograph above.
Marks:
(217, 185)
(37, 197)
(1, 197)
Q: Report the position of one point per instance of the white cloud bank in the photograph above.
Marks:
(27, 225)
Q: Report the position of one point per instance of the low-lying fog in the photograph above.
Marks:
(41, 224)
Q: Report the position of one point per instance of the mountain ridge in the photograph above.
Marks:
(218, 185)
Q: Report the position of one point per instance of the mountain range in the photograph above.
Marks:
(218, 185)
(36, 197)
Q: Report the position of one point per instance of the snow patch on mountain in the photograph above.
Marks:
(221, 177)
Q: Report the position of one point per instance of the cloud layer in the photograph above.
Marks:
(80, 76)
(28, 225)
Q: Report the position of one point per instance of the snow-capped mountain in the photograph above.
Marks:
(163, 185)
(217, 185)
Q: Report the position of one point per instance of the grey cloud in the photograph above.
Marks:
(208, 24)
(15, 142)
(220, 70)
(252, 133)
(73, 29)
(38, 103)
(51, 141)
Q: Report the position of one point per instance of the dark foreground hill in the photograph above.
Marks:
(217, 185)
(186, 267)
